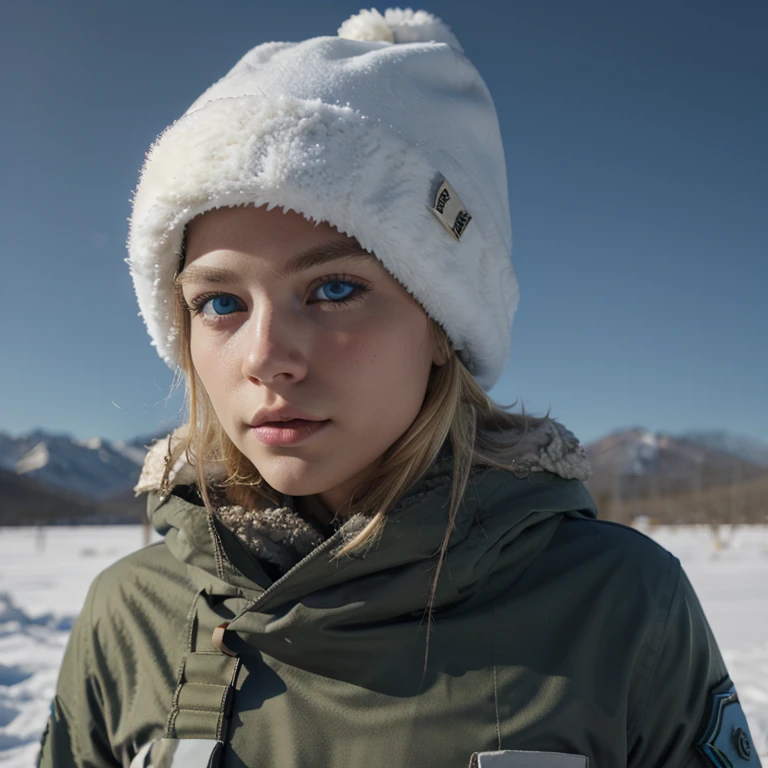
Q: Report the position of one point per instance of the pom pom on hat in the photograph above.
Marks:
(367, 25)
(398, 25)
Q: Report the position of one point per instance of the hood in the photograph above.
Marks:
(396, 571)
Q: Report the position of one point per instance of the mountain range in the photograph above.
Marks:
(53, 477)
(48, 477)
(636, 463)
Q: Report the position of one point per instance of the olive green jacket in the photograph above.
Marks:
(553, 632)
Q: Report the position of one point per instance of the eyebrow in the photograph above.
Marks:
(312, 257)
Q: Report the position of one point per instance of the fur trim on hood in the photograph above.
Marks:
(282, 535)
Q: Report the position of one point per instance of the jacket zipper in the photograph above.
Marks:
(316, 552)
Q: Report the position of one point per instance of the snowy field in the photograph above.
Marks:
(43, 582)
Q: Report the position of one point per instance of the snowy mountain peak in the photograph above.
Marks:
(636, 461)
(650, 439)
(33, 460)
(94, 467)
(92, 443)
(130, 451)
(745, 448)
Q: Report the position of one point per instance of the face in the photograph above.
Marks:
(289, 315)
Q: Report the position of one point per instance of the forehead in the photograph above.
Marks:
(286, 238)
(248, 227)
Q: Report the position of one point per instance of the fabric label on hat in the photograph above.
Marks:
(450, 210)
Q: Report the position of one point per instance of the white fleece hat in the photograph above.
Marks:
(386, 131)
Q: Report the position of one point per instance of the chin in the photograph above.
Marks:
(294, 478)
(294, 487)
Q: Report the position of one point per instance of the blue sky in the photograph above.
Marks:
(635, 138)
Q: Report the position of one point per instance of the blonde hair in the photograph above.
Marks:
(455, 407)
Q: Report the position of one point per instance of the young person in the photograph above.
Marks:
(366, 561)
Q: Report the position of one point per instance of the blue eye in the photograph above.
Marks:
(226, 304)
(336, 290)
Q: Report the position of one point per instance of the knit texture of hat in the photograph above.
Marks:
(360, 130)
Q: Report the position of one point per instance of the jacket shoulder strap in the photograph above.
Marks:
(202, 703)
(201, 709)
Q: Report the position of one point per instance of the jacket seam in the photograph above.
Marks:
(495, 675)
(87, 634)
(672, 573)
(90, 662)
(218, 549)
(171, 720)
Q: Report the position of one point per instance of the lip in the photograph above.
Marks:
(276, 415)
(288, 432)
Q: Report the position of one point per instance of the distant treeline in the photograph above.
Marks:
(745, 502)
(25, 501)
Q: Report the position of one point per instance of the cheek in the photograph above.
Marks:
(203, 357)
(213, 363)
(387, 363)
(401, 344)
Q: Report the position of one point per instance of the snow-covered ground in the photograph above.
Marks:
(44, 578)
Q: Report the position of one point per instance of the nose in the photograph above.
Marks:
(273, 350)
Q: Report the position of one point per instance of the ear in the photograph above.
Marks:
(441, 346)
(439, 357)
(441, 351)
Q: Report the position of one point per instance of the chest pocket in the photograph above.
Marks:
(511, 758)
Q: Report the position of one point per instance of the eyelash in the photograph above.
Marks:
(196, 305)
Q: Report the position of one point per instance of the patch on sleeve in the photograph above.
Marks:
(726, 742)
